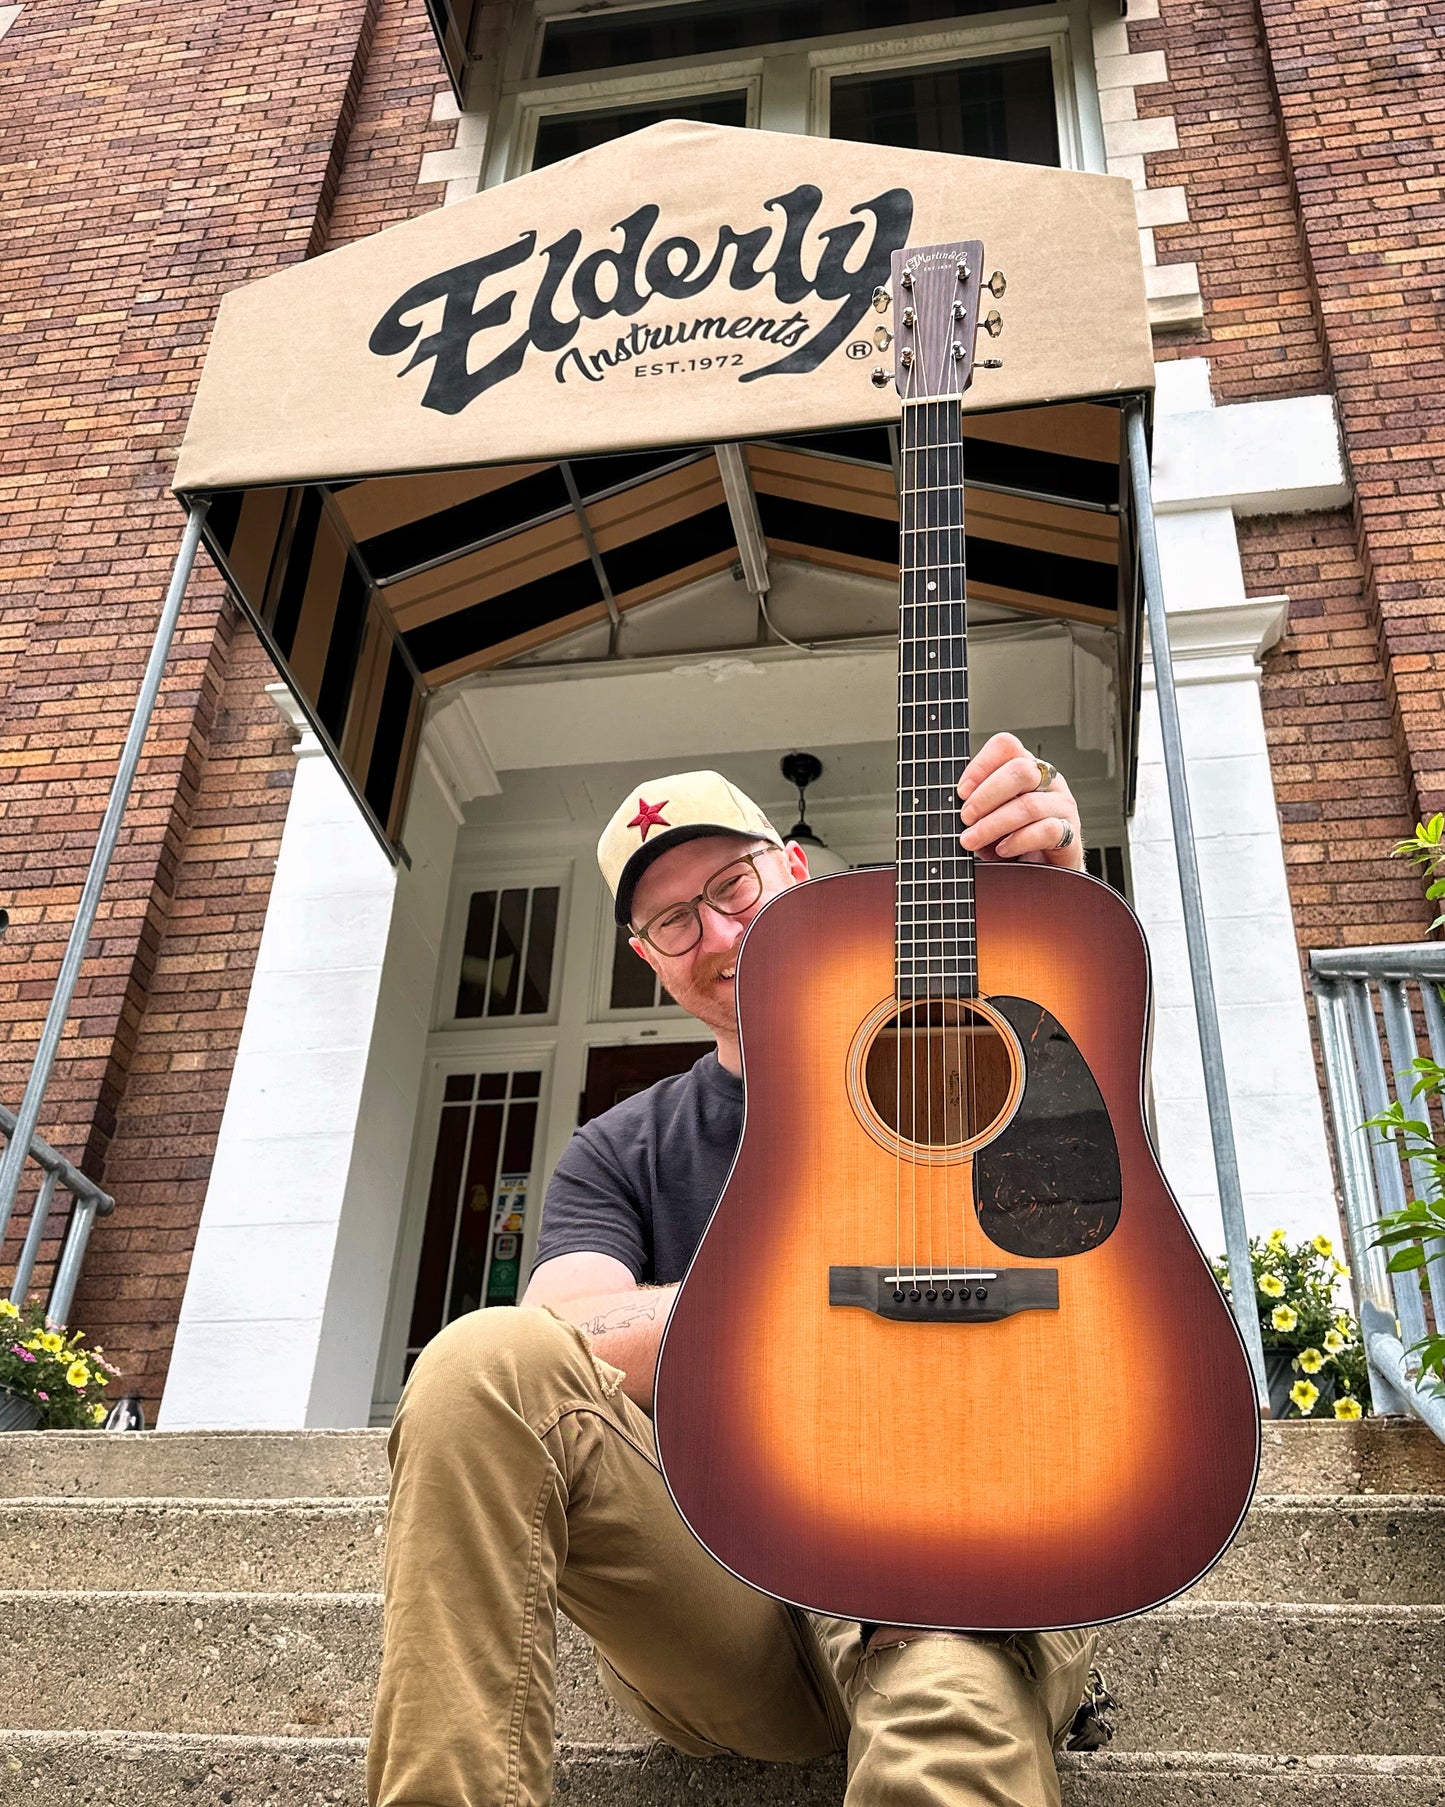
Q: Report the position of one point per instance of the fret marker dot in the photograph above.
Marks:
(933, 586)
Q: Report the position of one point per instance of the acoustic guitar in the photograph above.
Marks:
(947, 1354)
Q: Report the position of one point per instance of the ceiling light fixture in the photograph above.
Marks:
(801, 770)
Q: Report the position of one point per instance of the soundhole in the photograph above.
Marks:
(941, 1073)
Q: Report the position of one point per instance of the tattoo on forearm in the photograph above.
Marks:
(622, 1317)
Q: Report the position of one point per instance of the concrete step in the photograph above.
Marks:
(1376, 1455)
(122, 1769)
(1367, 1548)
(1192, 1676)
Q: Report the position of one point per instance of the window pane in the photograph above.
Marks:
(541, 938)
(607, 41)
(562, 135)
(506, 962)
(476, 954)
(1002, 107)
(633, 981)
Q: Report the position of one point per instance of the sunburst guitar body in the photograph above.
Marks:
(947, 1354)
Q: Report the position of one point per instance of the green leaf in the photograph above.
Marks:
(1404, 1259)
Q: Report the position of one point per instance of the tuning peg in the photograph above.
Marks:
(881, 300)
(990, 364)
(882, 338)
(996, 285)
(905, 358)
(910, 319)
(993, 323)
(907, 279)
(880, 377)
(957, 350)
(964, 273)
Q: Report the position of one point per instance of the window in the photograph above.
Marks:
(607, 40)
(562, 135)
(987, 107)
(634, 985)
(506, 964)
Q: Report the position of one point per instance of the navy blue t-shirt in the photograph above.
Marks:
(640, 1181)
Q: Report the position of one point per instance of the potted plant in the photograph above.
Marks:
(1314, 1360)
(48, 1380)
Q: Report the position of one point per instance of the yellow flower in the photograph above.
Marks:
(78, 1374)
(101, 1380)
(1334, 1342)
(1271, 1286)
(97, 1414)
(1348, 1408)
(1309, 1361)
(1284, 1317)
(1322, 1245)
(32, 1342)
(1304, 1393)
(51, 1343)
(1277, 1241)
(7, 1310)
(1342, 1322)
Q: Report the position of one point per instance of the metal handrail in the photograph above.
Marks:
(88, 1202)
(1364, 1073)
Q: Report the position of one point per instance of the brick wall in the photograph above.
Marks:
(1361, 92)
(156, 155)
(1311, 145)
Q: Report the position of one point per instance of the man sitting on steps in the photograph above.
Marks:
(523, 1470)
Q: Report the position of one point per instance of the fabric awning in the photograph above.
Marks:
(478, 431)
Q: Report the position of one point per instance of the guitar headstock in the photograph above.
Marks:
(937, 295)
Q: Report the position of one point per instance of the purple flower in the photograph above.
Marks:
(24, 1354)
(44, 1396)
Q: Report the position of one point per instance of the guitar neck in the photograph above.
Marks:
(936, 944)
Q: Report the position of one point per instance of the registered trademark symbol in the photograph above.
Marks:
(860, 348)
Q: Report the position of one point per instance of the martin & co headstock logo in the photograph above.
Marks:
(814, 284)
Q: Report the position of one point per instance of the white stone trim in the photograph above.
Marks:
(8, 16)
(1218, 635)
(285, 1299)
(1173, 292)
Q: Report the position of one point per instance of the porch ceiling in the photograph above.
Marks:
(474, 567)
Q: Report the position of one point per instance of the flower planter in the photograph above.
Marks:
(17, 1413)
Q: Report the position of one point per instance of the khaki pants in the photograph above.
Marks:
(523, 1478)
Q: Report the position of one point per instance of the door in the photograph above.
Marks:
(617, 1073)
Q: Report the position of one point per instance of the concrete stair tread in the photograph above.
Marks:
(1341, 1548)
(1374, 1455)
(126, 1769)
(1250, 1676)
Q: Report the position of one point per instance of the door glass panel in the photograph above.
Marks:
(562, 135)
(986, 107)
(476, 1216)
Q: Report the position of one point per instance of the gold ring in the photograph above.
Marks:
(1047, 774)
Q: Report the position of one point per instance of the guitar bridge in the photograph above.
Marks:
(959, 1295)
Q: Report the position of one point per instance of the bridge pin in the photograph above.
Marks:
(980, 1293)
(915, 1295)
(948, 1295)
(931, 1296)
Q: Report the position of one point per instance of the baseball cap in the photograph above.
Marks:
(665, 811)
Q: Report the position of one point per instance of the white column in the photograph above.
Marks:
(282, 1316)
(1211, 464)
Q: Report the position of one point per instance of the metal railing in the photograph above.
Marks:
(87, 1203)
(1369, 1002)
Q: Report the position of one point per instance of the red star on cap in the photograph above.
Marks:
(649, 815)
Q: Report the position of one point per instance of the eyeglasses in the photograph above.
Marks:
(731, 891)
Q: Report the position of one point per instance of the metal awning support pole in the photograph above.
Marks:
(1206, 1011)
(28, 1116)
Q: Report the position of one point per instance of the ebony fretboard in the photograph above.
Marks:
(937, 952)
